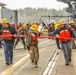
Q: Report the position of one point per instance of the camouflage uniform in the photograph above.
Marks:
(33, 47)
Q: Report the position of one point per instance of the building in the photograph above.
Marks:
(10, 15)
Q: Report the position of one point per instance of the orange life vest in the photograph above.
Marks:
(64, 34)
(6, 34)
(34, 40)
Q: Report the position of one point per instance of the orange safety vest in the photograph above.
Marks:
(64, 34)
(6, 34)
(34, 40)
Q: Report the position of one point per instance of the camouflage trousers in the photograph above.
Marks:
(35, 55)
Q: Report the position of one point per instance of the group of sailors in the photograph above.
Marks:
(62, 31)
(10, 40)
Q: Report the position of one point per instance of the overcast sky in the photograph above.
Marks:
(16, 4)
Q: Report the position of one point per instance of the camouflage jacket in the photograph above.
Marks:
(22, 31)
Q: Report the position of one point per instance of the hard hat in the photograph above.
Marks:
(72, 22)
(37, 23)
(49, 23)
(56, 22)
(25, 25)
(34, 27)
(61, 22)
(4, 20)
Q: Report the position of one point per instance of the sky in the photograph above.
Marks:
(17, 4)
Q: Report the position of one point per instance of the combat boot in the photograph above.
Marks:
(36, 64)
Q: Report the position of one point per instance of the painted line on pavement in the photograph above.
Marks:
(19, 69)
(17, 64)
